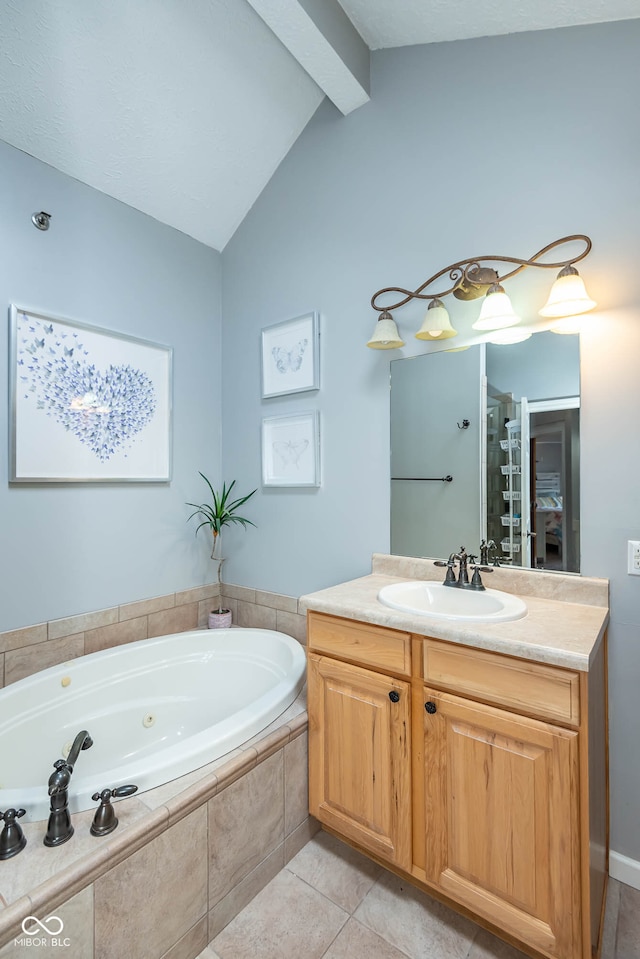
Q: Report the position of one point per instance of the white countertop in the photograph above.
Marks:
(558, 632)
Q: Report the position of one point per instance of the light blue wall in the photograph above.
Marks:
(70, 549)
(497, 145)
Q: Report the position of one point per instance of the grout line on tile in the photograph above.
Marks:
(340, 930)
(315, 888)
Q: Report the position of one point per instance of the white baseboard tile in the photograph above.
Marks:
(624, 869)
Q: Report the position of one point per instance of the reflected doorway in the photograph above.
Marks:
(554, 443)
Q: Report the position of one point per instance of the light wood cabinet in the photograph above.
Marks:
(359, 737)
(501, 802)
(492, 798)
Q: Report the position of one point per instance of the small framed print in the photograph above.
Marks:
(291, 356)
(291, 450)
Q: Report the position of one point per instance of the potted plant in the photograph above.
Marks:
(221, 511)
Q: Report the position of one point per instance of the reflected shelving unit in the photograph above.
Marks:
(511, 471)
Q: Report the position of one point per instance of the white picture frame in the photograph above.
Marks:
(291, 450)
(290, 358)
(87, 405)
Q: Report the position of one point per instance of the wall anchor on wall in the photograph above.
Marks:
(465, 425)
(41, 220)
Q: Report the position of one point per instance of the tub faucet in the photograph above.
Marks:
(59, 827)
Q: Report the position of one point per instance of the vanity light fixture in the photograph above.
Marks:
(471, 279)
(436, 324)
(385, 335)
(568, 295)
(496, 312)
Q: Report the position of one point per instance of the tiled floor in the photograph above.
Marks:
(331, 902)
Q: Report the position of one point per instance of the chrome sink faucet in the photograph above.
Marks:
(59, 827)
(463, 559)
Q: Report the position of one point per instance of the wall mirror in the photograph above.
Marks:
(485, 445)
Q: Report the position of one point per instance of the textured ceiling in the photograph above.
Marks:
(398, 23)
(183, 109)
(180, 108)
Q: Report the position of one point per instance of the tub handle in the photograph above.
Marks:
(12, 839)
(120, 791)
(105, 820)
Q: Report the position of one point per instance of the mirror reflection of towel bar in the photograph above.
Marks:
(426, 479)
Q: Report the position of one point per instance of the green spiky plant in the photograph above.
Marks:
(220, 512)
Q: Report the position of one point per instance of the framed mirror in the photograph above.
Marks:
(485, 445)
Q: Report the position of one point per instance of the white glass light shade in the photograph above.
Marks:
(507, 336)
(436, 324)
(385, 335)
(568, 296)
(497, 311)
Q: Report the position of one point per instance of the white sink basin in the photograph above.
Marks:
(447, 602)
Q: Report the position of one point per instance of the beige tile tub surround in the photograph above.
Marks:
(77, 917)
(249, 823)
(83, 879)
(153, 889)
(27, 660)
(172, 871)
(26, 651)
(264, 610)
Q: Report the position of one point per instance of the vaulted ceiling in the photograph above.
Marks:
(183, 109)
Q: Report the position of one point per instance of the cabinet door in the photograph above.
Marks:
(359, 756)
(502, 816)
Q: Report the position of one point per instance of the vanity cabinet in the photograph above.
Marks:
(360, 776)
(502, 818)
(359, 725)
(479, 776)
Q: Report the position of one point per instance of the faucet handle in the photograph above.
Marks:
(121, 791)
(105, 820)
(501, 560)
(476, 582)
(450, 578)
(12, 838)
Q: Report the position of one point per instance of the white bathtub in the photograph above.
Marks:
(155, 709)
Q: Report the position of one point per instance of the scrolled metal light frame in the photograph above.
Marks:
(472, 280)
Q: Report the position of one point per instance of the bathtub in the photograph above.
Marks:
(155, 709)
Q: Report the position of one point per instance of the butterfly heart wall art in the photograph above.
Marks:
(89, 405)
(291, 356)
(291, 450)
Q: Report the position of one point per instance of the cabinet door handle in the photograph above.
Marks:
(394, 696)
(430, 707)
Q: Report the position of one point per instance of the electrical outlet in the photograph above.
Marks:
(633, 557)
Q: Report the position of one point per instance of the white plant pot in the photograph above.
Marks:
(219, 619)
